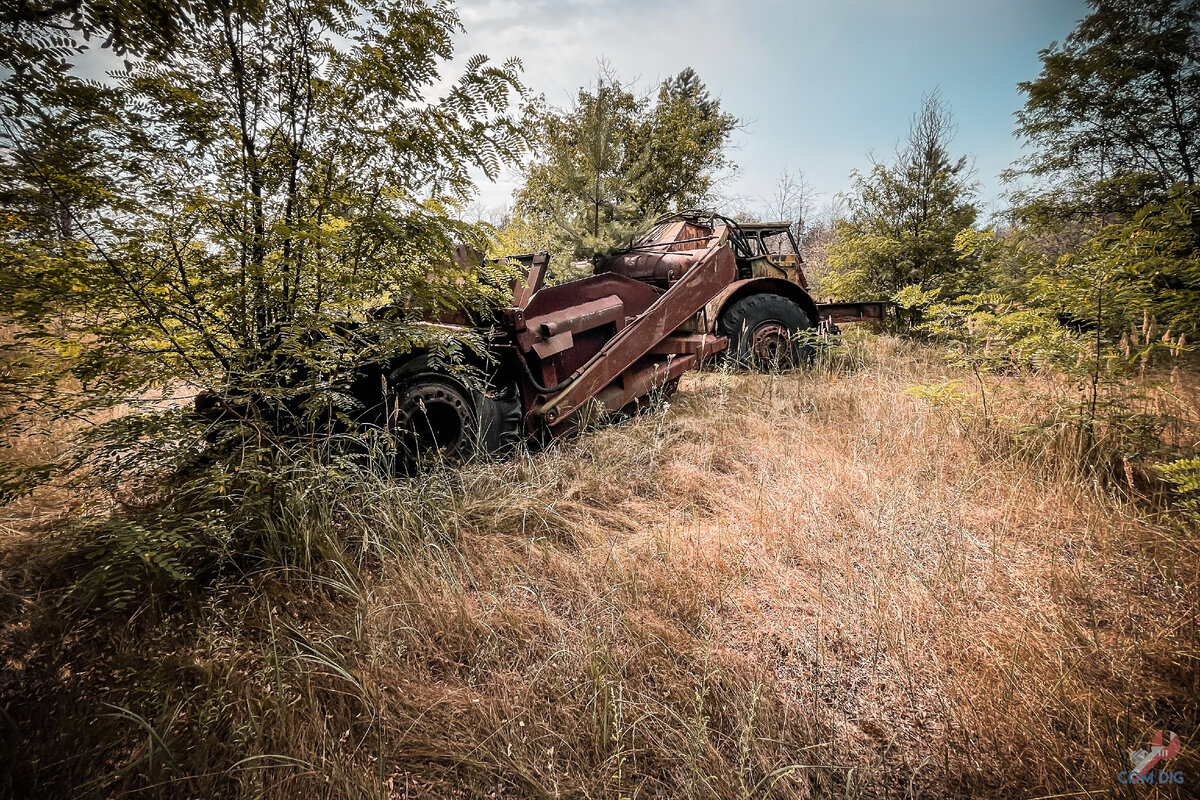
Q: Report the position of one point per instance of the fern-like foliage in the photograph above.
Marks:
(1184, 477)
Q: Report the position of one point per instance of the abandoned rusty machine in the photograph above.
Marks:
(698, 286)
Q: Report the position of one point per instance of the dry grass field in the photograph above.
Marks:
(843, 582)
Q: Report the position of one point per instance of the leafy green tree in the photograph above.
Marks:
(263, 182)
(1126, 300)
(992, 332)
(595, 169)
(903, 218)
(42, 30)
(1137, 282)
(40, 39)
(1114, 115)
(1183, 475)
(613, 162)
(684, 136)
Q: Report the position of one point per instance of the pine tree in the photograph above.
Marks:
(685, 137)
(904, 217)
(601, 166)
(614, 162)
(591, 165)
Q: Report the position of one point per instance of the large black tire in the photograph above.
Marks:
(764, 332)
(433, 417)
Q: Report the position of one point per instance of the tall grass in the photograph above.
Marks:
(818, 583)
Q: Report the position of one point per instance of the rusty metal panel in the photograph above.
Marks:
(579, 318)
(866, 311)
(642, 379)
(715, 268)
(606, 302)
(704, 345)
(553, 345)
(523, 291)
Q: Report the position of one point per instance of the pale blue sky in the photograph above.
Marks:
(820, 82)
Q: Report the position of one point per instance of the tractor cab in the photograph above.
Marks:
(768, 250)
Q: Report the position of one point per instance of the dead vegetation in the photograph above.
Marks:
(813, 584)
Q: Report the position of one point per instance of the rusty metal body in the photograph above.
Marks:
(616, 336)
(648, 314)
(864, 311)
(697, 285)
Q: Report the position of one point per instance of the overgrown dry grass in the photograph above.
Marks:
(811, 584)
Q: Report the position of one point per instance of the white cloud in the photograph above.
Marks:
(821, 82)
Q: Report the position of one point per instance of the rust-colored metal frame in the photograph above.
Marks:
(866, 311)
(644, 319)
(647, 349)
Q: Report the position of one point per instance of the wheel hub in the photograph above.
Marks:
(434, 417)
(771, 343)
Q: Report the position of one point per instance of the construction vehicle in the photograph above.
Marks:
(697, 287)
